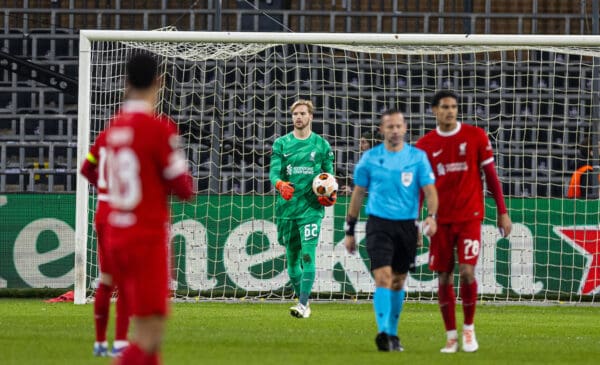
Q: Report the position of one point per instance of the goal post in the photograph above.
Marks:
(82, 192)
(537, 97)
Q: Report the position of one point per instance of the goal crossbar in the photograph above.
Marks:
(408, 39)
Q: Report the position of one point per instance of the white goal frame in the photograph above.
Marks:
(375, 40)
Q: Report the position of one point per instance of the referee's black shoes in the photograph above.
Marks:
(395, 344)
(388, 343)
(383, 342)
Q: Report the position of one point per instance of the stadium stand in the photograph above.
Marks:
(38, 122)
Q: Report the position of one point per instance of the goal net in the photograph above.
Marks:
(229, 93)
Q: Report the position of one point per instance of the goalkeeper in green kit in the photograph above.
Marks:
(297, 158)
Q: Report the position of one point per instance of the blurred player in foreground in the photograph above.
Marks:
(94, 170)
(145, 164)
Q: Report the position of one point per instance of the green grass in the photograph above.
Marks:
(33, 332)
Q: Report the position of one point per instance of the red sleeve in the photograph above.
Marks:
(90, 172)
(182, 186)
(486, 153)
(174, 164)
(493, 184)
(89, 169)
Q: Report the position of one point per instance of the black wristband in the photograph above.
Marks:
(434, 216)
(349, 226)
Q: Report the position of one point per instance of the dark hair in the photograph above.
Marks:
(372, 137)
(368, 136)
(390, 112)
(142, 70)
(435, 101)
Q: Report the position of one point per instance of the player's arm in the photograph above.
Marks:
(178, 176)
(356, 201)
(90, 167)
(431, 199)
(182, 186)
(428, 192)
(175, 168)
(493, 184)
(486, 158)
(361, 183)
(285, 188)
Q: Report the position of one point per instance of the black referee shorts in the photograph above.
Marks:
(392, 243)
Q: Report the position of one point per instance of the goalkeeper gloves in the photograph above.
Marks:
(327, 201)
(286, 189)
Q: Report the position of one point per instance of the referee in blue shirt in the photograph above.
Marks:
(393, 173)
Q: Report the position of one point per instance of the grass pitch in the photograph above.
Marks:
(33, 332)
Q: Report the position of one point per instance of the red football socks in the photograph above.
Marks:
(468, 293)
(101, 308)
(447, 302)
(122, 322)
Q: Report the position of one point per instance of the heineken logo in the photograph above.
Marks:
(38, 250)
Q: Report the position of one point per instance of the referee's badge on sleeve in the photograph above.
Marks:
(407, 178)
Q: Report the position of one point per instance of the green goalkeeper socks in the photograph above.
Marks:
(296, 280)
(308, 278)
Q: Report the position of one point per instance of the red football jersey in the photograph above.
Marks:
(94, 169)
(145, 164)
(457, 158)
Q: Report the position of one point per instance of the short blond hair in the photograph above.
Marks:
(308, 103)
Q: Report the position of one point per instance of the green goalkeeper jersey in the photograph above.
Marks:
(299, 161)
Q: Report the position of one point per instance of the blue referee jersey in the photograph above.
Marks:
(393, 180)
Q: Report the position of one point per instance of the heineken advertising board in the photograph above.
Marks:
(224, 242)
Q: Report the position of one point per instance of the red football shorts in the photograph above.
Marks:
(464, 237)
(142, 269)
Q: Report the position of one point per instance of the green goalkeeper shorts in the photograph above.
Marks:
(293, 233)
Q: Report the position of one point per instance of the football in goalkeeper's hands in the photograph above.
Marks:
(324, 184)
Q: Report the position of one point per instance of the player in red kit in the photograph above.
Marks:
(458, 152)
(145, 165)
(94, 170)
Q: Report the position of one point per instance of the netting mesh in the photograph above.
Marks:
(230, 101)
